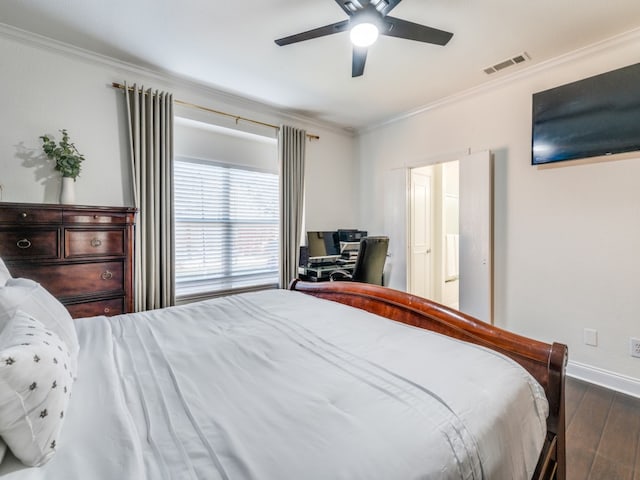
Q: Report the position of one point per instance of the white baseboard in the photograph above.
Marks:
(604, 378)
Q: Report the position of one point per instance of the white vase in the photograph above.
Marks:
(68, 191)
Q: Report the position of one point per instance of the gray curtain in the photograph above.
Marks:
(291, 152)
(151, 136)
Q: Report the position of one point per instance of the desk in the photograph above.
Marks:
(321, 273)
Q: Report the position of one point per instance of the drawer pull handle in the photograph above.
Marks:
(23, 215)
(107, 309)
(96, 242)
(107, 275)
(23, 243)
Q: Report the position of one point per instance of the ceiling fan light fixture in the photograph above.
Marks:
(364, 34)
(368, 19)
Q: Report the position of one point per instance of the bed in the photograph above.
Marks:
(545, 362)
(299, 384)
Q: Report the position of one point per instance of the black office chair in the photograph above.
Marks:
(369, 264)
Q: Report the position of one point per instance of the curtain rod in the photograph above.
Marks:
(237, 118)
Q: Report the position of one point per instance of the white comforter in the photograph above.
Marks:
(280, 385)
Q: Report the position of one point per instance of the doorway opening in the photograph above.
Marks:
(434, 233)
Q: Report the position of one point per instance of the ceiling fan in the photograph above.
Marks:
(367, 20)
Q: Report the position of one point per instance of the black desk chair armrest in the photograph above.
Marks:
(338, 275)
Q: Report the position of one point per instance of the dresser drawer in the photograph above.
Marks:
(91, 243)
(113, 306)
(29, 215)
(29, 244)
(96, 217)
(75, 279)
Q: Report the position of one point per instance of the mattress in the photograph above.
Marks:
(282, 385)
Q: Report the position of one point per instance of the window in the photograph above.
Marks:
(226, 227)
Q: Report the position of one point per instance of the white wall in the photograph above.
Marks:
(46, 86)
(42, 92)
(567, 240)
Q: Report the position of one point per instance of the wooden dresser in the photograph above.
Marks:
(82, 255)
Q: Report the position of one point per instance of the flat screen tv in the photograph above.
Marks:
(596, 116)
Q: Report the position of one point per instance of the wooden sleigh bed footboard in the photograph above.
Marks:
(546, 362)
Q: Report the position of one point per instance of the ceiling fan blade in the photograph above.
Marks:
(315, 33)
(412, 31)
(358, 61)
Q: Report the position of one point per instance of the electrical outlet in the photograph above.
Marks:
(635, 347)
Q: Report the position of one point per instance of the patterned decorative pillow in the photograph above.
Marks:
(4, 276)
(35, 386)
(32, 298)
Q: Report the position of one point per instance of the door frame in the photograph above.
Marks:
(397, 204)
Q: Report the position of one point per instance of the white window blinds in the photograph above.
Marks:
(226, 227)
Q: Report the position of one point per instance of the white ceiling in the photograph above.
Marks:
(229, 45)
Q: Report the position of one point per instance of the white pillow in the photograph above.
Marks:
(4, 276)
(32, 298)
(35, 386)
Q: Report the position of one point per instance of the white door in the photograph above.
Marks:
(420, 237)
(476, 236)
(396, 197)
(476, 232)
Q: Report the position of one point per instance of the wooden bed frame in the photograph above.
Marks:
(544, 361)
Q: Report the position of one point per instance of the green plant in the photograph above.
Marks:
(65, 154)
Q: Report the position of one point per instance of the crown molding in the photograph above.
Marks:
(273, 111)
(592, 49)
(254, 105)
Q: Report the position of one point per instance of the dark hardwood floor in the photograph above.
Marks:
(603, 433)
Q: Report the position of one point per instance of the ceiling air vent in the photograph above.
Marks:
(523, 57)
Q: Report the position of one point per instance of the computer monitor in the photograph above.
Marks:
(323, 243)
